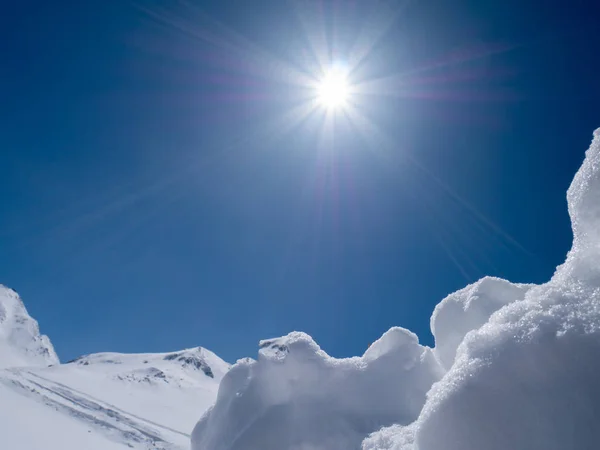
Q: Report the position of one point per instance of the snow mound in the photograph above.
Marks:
(515, 367)
(527, 378)
(467, 310)
(21, 343)
(295, 396)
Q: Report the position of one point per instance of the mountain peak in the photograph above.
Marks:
(21, 343)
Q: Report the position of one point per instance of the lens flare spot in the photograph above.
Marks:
(333, 90)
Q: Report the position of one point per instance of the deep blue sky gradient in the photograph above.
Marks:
(154, 197)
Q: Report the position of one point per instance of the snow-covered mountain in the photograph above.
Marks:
(100, 401)
(21, 343)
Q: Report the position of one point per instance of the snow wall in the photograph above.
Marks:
(514, 367)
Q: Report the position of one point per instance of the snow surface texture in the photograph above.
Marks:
(517, 367)
(467, 310)
(21, 343)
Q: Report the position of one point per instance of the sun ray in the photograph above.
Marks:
(196, 24)
(375, 26)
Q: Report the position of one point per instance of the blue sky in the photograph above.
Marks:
(159, 193)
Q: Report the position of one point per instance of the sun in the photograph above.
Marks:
(333, 90)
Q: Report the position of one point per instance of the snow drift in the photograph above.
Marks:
(527, 378)
(21, 343)
(296, 396)
(467, 310)
(515, 366)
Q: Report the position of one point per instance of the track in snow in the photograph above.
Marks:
(116, 424)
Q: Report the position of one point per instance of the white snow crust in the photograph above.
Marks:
(468, 309)
(514, 367)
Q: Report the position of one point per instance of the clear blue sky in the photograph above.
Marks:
(157, 192)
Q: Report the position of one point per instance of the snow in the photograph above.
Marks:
(467, 310)
(21, 343)
(106, 400)
(100, 401)
(166, 390)
(29, 425)
(297, 396)
(527, 378)
(514, 366)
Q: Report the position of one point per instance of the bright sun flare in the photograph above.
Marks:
(333, 91)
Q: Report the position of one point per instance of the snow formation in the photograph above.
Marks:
(296, 396)
(514, 367)
(467, 310)
(21, 343)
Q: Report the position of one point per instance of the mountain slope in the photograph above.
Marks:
(144, 401)
(101, 401)
(28, 421)
(68, 418)
(21, 343)
(160, 387)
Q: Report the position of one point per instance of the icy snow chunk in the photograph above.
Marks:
(468, 309)
(397, 342)
(584, 198)
(527, 379)
(21, 343)
(584, 208)
(295, 396)
(394, 437)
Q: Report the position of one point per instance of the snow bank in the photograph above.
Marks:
(298, 397)
(467, 310)
(527, 378)
(21, 343)
(518, 367)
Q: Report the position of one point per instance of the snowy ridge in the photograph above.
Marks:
(21, 343)
(515, 367)
(182, 368)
